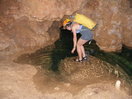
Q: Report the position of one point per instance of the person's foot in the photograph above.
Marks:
(78, 60)
(85, 58)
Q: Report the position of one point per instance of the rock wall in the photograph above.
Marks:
(49, 9)
(27, 25)
(114, 19)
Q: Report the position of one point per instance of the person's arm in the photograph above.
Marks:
(74, 40)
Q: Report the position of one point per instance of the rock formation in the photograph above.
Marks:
(114, 19)
(29, 25)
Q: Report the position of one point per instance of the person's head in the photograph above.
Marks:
(67, 24)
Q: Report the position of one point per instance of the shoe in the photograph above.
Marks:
(85, 58)
(77, 60)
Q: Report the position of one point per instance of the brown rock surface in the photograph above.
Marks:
(49, 9)
(24, 35)
(114, 23)
(28, 25)
(127, 29)
(93, 70)
(18, 81)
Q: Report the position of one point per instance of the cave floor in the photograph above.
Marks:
(24, 81)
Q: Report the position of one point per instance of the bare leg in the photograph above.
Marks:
(80, 48)
(79, 51)
(83, 51)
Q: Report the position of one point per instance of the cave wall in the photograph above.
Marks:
(27, 25)
(49, 9)
(114, 19)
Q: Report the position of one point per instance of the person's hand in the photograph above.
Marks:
(73, 50)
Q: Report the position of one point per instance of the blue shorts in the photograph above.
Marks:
(86, 34)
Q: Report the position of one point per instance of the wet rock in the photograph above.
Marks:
(91, 70)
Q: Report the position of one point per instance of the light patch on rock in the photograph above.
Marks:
(118, 84)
